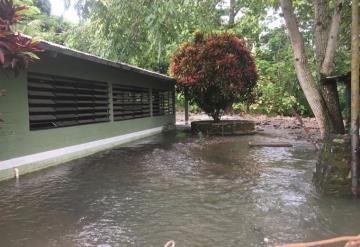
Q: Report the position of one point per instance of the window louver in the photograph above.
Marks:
(130, 102)
(59, 101)
(163, 102)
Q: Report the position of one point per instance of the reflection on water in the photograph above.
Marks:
(215, 192)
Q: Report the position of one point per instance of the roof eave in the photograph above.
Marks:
(49, 46)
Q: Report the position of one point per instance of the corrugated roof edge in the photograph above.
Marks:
(49, 46)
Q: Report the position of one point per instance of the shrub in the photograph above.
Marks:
(272, 98)
(214, 70)
(16, 50)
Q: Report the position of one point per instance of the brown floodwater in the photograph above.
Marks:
(196, 191)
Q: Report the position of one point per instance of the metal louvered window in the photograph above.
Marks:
(130, 102)
(60, 101)
(162, 102)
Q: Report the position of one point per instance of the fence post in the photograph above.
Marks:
(111, 102)
(354, 96)
(151, 102)
(186, 108)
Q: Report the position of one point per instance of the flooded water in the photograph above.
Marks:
(198, 192)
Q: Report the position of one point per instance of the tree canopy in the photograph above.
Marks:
(214, 70)
(145, 33)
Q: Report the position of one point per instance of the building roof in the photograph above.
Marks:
(49, 46)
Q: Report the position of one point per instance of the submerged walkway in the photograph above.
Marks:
(196, 191)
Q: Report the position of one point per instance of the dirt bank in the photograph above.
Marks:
(307, 130)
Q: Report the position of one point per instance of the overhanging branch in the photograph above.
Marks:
(328, 63)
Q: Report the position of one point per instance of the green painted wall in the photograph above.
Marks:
(17, 140)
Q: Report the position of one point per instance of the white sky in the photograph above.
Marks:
(57, 8)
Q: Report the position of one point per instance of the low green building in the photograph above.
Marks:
(70, 104)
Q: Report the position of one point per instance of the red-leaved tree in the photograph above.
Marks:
(16, 50)
(214, 70)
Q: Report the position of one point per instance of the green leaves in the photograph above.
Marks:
(141, 32)
(277, 90)
(16, 51)
(31, 55)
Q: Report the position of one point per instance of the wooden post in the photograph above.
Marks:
(111, 102)
(186, 108)
(348, 104)
(354, 96)
(151, 102)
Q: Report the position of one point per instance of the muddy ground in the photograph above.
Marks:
(304, 129)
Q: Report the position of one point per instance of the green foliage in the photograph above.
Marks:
(38, 22)
(180, 101)
(44, 6)
(214, 70)
(278, 90)
(49, 28)
(146, 33)
(274, 99)
(16, 50)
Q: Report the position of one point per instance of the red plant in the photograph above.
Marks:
(214, 70)
(16, 50)
(9, 14)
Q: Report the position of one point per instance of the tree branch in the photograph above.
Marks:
(328, 63)
(322, 24)
(302, 67)
(231, 14)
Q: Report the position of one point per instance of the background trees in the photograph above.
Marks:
(146, 33)
(322, 97)
(141, 32)
(16, 50)
(116, 30)
(39, 23)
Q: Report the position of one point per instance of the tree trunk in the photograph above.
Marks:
(331, 97)
(159, 56)
(325, 47)
(307, 81)
(327, 67)
(355, 96)
(216, 115)
(322, 24)
(232, 14)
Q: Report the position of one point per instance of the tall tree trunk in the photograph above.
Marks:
(232, 14)
(327, 67)
(159, 56)
(322, 24)
(331, 97)
(306, 79)
(355, 97)
(325, 47)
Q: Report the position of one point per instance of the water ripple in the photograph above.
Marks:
(212, 192)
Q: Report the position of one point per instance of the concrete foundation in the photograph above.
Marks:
(332, 175)
(224, 127)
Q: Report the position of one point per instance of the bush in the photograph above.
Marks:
(214, 70)
(16, 50)
(272, 98)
